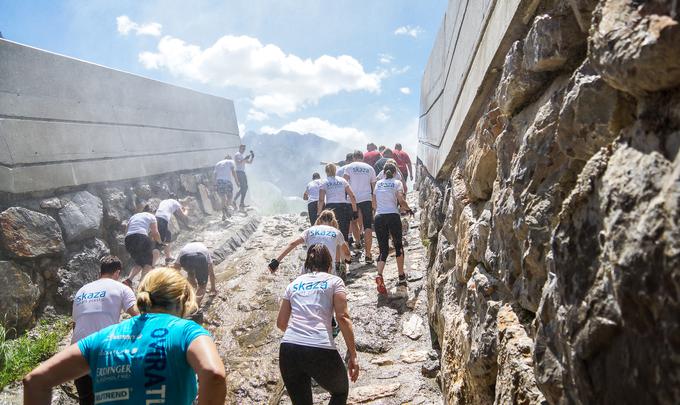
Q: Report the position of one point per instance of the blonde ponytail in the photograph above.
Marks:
(168, 290)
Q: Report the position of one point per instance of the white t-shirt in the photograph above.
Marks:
(140, 223)
(397, 176)
(167, 208)
(327, 235)
(193, 248)
(311, 299)
(361, 176)
(335, 189)
(98, 305)
(223, 170)
(386, 196)
(240, 160)
(313, 190)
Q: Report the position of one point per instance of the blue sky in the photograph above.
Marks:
(347, 70)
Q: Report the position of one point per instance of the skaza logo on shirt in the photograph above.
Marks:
(90, 296)
(331, 234)
(334, 184)
(360, 170)
(387, 185)
(313, 285)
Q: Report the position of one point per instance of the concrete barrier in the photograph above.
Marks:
(65, 122)
(464, 64)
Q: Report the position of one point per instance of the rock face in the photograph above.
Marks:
(81, 216)
(19, 298)
(81, 268)
(29, 234)
(554, 243)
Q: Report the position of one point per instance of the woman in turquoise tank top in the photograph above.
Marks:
(155, 357)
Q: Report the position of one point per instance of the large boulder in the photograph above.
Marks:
(18, 299)
(592, 114)
(517, 85)
(115, 203)
(551, 42)
(82, 267)
(29, 234)
(634, 45)
(81, 216)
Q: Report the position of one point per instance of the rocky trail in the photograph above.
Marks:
(398, 364)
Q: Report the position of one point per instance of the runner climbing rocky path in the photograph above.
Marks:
(397, 362)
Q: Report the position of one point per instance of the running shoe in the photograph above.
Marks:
(382, 290)
(368, 260)
(169, 260)
(358, 246)
(402, 280)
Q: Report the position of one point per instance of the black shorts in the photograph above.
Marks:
(225, 187)
(140, 249)
(196, 265)
(366, 209)
(164, 230)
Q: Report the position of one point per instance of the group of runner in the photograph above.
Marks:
(229, 172)
(157, 356)
(352, 203)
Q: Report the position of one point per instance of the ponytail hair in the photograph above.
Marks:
(390, 169)
(318, 258)
(166, 289)
(327, 217)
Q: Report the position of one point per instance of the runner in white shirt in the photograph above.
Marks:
(141, 237)
(354, 229)
(325, 232)
(388, 197)
(311, 194)
(97, 305)
(225, 177)
(241, 159)
(195, 259)
(166, 209)
(308, 348)
(361, 177)
(332, 196)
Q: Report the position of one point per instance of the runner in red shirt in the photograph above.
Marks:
(372, 155)
(403, 162)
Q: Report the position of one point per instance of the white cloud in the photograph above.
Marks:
(256, 115)
(405, 90)
(346, 136)
(279, 83)
(385, 58)
(410, 31)
(126, 25)
(383, 114)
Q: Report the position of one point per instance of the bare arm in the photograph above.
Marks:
(352, 198)
(345, 250)
(153, 232)
(64, 366)
(305, 196)
(345, 324)
(322, 198)
(292, 245)
(402, 201)
(233, 176)
(284, 315)
(202, 356)
(211, 276)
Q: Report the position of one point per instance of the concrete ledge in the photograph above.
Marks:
(65, 122)
(463, 66)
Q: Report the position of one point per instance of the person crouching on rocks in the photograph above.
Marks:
(388, 197)
(308, 349)
(152, 358)
(141, 232)
(326, 232)
(166, 209)
(195, 259)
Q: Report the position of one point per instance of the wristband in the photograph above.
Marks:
(273, 265)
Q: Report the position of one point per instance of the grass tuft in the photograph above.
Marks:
(21, 355)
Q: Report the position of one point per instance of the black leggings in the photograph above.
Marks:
(343, 213)
(387, 225)
(299, 364)
(242, 186)
(312, 208)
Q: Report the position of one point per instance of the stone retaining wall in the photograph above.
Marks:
(51, 243)
(554, 235)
